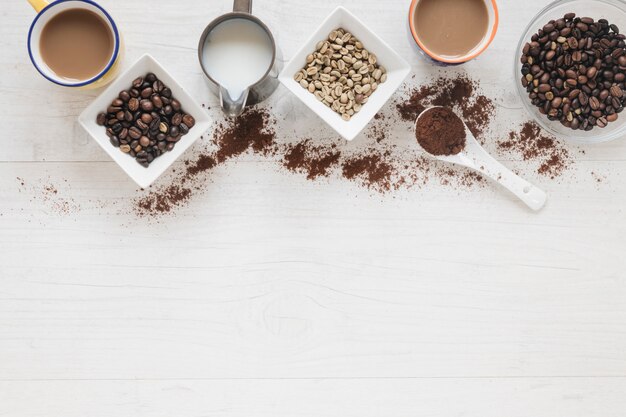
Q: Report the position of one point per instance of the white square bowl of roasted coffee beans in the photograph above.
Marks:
(344, 73)
(145, 120)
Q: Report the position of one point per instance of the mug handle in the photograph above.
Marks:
(39, 5)
(241, 6)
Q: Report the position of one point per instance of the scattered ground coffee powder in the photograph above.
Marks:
(440, 132)
(251, 131)
(533, 145)
(314, 161)
(163, 200)
(372, 169)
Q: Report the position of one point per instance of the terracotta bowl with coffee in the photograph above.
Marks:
(451, 32)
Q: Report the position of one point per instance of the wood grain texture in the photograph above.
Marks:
(272, 295)
(488, 397)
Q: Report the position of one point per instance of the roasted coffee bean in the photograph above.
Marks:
(146, 105)
(543, 88)
(616, 103)
(157, 101)
(189, 121)
(146, 92)
(594, 103)
(145, 121)
(133, 104)
(603, 95)
(141, 125)
(177, 119)
(134, 132)
(616, 91)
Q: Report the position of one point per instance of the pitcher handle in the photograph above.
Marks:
(233, 108)
(39, 5)
(242, 6)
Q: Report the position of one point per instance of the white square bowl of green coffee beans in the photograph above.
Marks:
(344, 73)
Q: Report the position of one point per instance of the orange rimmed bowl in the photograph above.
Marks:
(492, 9)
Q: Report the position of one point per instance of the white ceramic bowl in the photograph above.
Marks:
(141, 175)
(397, 70)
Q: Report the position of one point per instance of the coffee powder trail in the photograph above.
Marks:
(252, 131)
(314, 161)
(533, 145)
(163, 200)
(440, 132)
(371, 169)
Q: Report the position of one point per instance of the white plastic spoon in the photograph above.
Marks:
(475, 157)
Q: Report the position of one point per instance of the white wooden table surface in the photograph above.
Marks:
(270, 295)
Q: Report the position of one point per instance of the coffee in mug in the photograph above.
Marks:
(76, 44)
(453, 31)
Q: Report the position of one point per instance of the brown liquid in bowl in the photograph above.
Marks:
(76, 44)
(451, 28)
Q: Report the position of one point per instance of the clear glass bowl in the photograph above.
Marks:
(612, 10)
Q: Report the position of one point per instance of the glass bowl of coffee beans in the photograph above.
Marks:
(570, 69)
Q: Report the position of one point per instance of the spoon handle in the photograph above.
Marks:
(534, 197)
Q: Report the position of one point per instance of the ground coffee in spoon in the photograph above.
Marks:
(440, 132)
